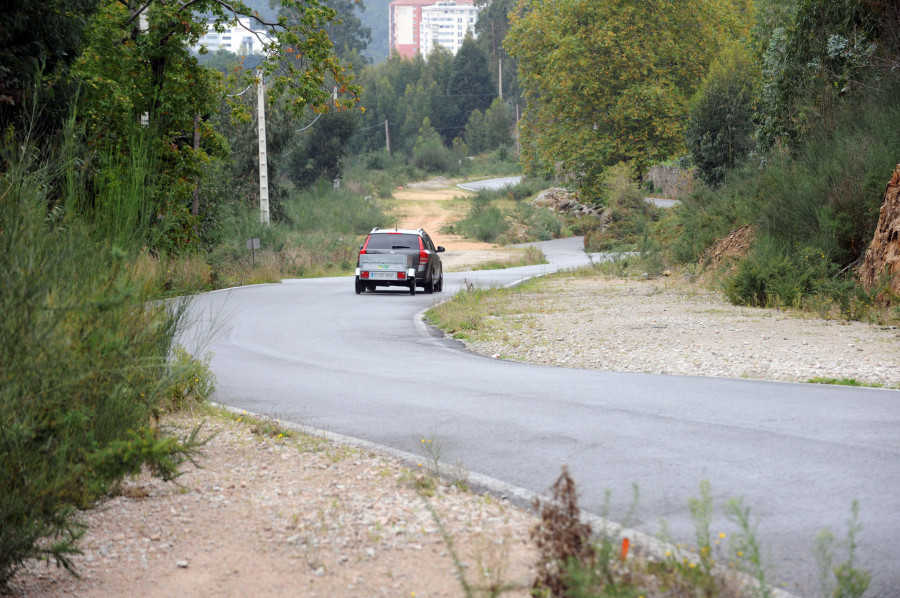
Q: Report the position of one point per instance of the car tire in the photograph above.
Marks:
(359, 287)
(439, 287)
(412, 287)
(429, 286)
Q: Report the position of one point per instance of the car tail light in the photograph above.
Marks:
(401, 275)
(366, 244)
(423, 254)
(364, 274)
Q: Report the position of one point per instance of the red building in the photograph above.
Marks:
(405, 20)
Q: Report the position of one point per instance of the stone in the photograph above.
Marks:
(882, 259)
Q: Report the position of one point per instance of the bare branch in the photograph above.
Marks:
(136, 14)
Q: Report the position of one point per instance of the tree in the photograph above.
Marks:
(608, 82)
(347, 33)
(492, 27)
(498, 122)
(320, 153)
(720, 128)
(468, 89)
(475, 133)
(136, 65)
(40, 38)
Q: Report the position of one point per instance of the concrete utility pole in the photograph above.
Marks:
(143, 26)
(518, 147)
(387, 136)
(263, 164)
(500, 77)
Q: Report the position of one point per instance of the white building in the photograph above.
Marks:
(238, 38)
(446, 24)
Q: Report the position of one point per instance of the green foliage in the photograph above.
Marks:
(707, 215)
(429, 153)
(346, 31)
(746, 547)
(828, 51)
(83, 368)
(627, 213)
(483, 222)
(845, 579)
(720, 129)
(469, 87)
(192, 380)
(39, 43)
(319, 154)
(607, 82)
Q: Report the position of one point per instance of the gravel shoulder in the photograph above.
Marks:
(296, 516)
(670, 326)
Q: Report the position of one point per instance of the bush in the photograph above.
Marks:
(432, 156)
(484, 221)
(83, 371)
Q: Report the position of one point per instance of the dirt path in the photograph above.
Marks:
(423, 206)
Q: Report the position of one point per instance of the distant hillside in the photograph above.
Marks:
(375, 17)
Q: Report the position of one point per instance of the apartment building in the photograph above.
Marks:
(420, 25)
(239, 38)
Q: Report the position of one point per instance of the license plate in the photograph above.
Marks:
(384, 275)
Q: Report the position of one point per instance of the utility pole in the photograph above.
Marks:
(143, 27)
(263, 164)
(500, 76)
(387, 136)
(518, 148)
(195, 203)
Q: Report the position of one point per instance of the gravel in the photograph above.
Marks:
(670, 326)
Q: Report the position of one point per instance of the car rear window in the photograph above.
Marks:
(393, 241)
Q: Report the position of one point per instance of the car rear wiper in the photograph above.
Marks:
(401, 247)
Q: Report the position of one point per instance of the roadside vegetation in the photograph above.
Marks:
(785, 128)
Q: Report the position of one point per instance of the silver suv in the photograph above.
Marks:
(421, 267)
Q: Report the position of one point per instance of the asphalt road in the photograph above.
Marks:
(491, 183)
(313, 352)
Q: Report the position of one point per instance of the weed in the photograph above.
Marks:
(560, 537)
(745, 546)
(845, 579)
(843, 382)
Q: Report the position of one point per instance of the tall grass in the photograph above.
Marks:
(83, 364)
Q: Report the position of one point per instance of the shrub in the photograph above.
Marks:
(432, 156)
(483, 221)
(83, 370)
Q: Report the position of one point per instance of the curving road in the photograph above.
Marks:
(313, 352)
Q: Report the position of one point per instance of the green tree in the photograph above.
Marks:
(40, 38)
(136, 65)
(609, 82)
(319, 154)
(476, 133)
(347, 33)
(498, 123)
(491, 27)
(721, 122)
(468, 89)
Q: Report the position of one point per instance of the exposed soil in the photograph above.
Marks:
(428, 205)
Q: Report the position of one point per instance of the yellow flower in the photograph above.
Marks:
(722, 536)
